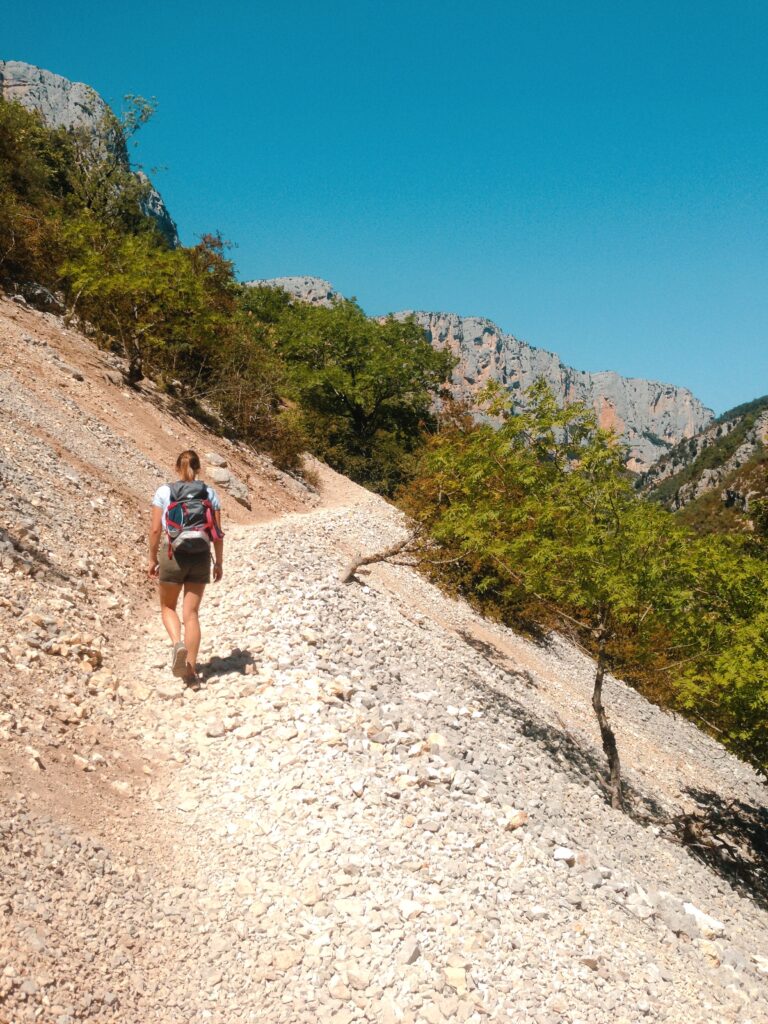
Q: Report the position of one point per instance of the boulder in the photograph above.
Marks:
(239, 491)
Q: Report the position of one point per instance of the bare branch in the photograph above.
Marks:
(379, 556)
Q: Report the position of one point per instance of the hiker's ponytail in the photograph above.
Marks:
(188, 465)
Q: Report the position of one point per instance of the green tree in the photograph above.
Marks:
(366, 387)
(542, 512)
(723, 680)
(165, 308)
(35, 181)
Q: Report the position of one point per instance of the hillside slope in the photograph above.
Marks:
(715, 474)
(649, 416)
(329, 829)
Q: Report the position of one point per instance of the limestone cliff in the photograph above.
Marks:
(649, 416)
(74, 105)
(312, 290)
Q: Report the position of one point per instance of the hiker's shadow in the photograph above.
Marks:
(234, 662)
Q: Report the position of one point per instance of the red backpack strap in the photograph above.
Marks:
(210, 522)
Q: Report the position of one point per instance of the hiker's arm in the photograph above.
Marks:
(218, 551)
(155, 532)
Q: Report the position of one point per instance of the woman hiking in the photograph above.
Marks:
(188, 512)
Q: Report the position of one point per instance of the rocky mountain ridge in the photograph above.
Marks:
(74, 105)
(724, 459)
(649, 416)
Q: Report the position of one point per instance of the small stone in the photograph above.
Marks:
(358, 979)
(594, 879)
(565, 854)
(513, 818)
(711, 950)
(285, 959)
(244, 886)
(338, 989)
(456, 977)
(409, 909)
(709, 927)
(409, 952)
(189, 804)
(310, 894)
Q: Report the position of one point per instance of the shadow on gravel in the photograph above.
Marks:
(235, 661)
(567, 752)
(496, 657)
(731, 838)
(35, 560)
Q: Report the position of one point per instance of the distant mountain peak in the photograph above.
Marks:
(650, 417)
(312, 290)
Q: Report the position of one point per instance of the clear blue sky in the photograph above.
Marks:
(591, 175)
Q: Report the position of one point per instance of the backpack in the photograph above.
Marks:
(189, 519)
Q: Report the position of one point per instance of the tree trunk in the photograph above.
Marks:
(606, 733)
(381, 556)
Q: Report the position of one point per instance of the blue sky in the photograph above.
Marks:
(592, 176)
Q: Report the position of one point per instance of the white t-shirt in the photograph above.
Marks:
(162, 499)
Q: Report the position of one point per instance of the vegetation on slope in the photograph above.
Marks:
(539, 521)
(280, 375)
(689, 463)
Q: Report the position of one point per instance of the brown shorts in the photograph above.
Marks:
(181, 568)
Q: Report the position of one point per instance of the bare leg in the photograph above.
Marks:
(193, 595)
(169, 597)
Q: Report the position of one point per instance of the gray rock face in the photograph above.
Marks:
(312, 290)
(74, 105)
(154, 206)
(649, 416)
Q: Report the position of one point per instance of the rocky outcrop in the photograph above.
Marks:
(76, 106)
(312, 290)
(218, 471)
(724, 456)
(650, 417)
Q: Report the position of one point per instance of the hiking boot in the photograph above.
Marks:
(179, 660)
